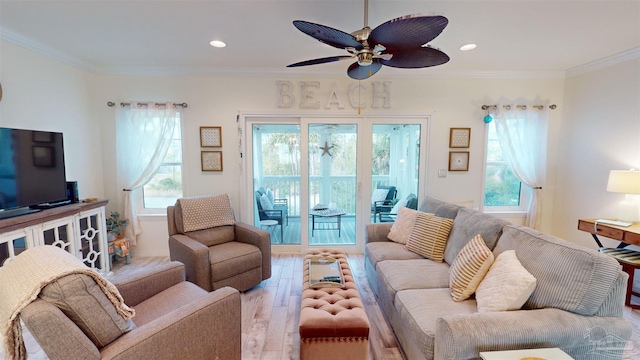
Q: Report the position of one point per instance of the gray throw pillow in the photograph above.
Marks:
(83, 302)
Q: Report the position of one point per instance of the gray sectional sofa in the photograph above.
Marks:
(577, 304)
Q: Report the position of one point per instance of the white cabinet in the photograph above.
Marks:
(79, 229)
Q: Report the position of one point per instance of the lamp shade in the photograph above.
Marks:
(624, 181)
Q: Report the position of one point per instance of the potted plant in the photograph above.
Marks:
(114, 224)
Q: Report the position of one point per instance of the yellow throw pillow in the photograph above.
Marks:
(469, 268)
(507, 285)
(401, 228)
(429, 236)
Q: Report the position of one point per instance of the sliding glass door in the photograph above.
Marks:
(316, 181)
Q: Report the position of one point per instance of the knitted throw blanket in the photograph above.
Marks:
(205, 212)
(22, 279)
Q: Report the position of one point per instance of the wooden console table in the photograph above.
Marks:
(630, 260)
(78, 228)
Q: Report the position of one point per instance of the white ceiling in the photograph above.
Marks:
(172, 37)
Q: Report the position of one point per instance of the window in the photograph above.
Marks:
(502, 189)
(166, 185)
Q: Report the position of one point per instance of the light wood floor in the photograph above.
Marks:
(270, 313)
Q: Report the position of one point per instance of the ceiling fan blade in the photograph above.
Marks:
(328, 35)
(358, 72)
(321, 60)
(417, 58)
(407, 32)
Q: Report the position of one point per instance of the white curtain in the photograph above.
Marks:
(143, 136)
(522, 133)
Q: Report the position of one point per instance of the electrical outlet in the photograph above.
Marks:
(442, 173)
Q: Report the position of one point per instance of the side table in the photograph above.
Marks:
(270, 226)
(116, 249)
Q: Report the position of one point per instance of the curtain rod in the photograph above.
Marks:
(112, 104)
(521, 107)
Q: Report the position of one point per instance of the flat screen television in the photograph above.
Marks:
(32, 172)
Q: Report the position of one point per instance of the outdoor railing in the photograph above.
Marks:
(342, 190)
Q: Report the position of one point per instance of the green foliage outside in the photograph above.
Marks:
(502, 188)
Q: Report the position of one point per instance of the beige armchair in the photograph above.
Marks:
(174, 320)
(237, 255)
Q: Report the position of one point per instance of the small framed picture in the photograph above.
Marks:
(42, 136)
(459, 137)
(458, 161)
(210, 136)
(211, 160)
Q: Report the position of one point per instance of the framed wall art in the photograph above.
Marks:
(211, 160)
(458, 161)
(210, 136)
(459, 137)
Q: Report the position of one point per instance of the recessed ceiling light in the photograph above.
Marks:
(218, 43)
(468, 47)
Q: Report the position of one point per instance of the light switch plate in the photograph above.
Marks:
(442, 173)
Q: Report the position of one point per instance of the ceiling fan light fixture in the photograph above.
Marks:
(468, 47)
(365, 58)
(217, 43)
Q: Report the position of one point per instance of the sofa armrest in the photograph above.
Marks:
(377, 232)
(259, 237)
(195, 257)
(206, 328)
(139, 286)
(465, 336)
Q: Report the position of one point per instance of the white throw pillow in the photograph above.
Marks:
(270, 195)
(507, 285)
(379, 195)
(401, 228)
(469, 268)
(265, 202)
(399, 204)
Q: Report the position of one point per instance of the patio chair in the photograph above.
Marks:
(411, 202)
(271, 212)
(384, 204)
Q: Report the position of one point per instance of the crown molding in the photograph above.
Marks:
(633, 53)
(40, 48)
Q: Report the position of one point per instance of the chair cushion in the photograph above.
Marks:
(203, 212)
(469, 268)
(214, 236)
(429, 236)
(83, 302)
(379, 195)
(265, 202)
(507, 285)
(233, 258)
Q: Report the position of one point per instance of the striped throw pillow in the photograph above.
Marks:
(469, 268)
(429, 236)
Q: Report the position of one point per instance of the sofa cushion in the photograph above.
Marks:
(203, 212)
(569, 277)
(83, 302)
(507, 285)
(380, 251)
(167, 301)
(439, 208)
(401, 228)
(429, 236)
(467, 224)
(398, 275)
(420, 309)
(469, 268)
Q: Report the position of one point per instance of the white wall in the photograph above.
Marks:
(43, 94)
(216, 101)
(600, 132)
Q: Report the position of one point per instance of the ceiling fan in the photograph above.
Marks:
(396, 43)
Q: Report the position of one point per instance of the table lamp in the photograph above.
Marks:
(628, 183)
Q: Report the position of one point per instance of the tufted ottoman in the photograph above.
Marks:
(333, 323)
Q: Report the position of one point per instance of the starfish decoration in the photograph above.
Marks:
(325, 149)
